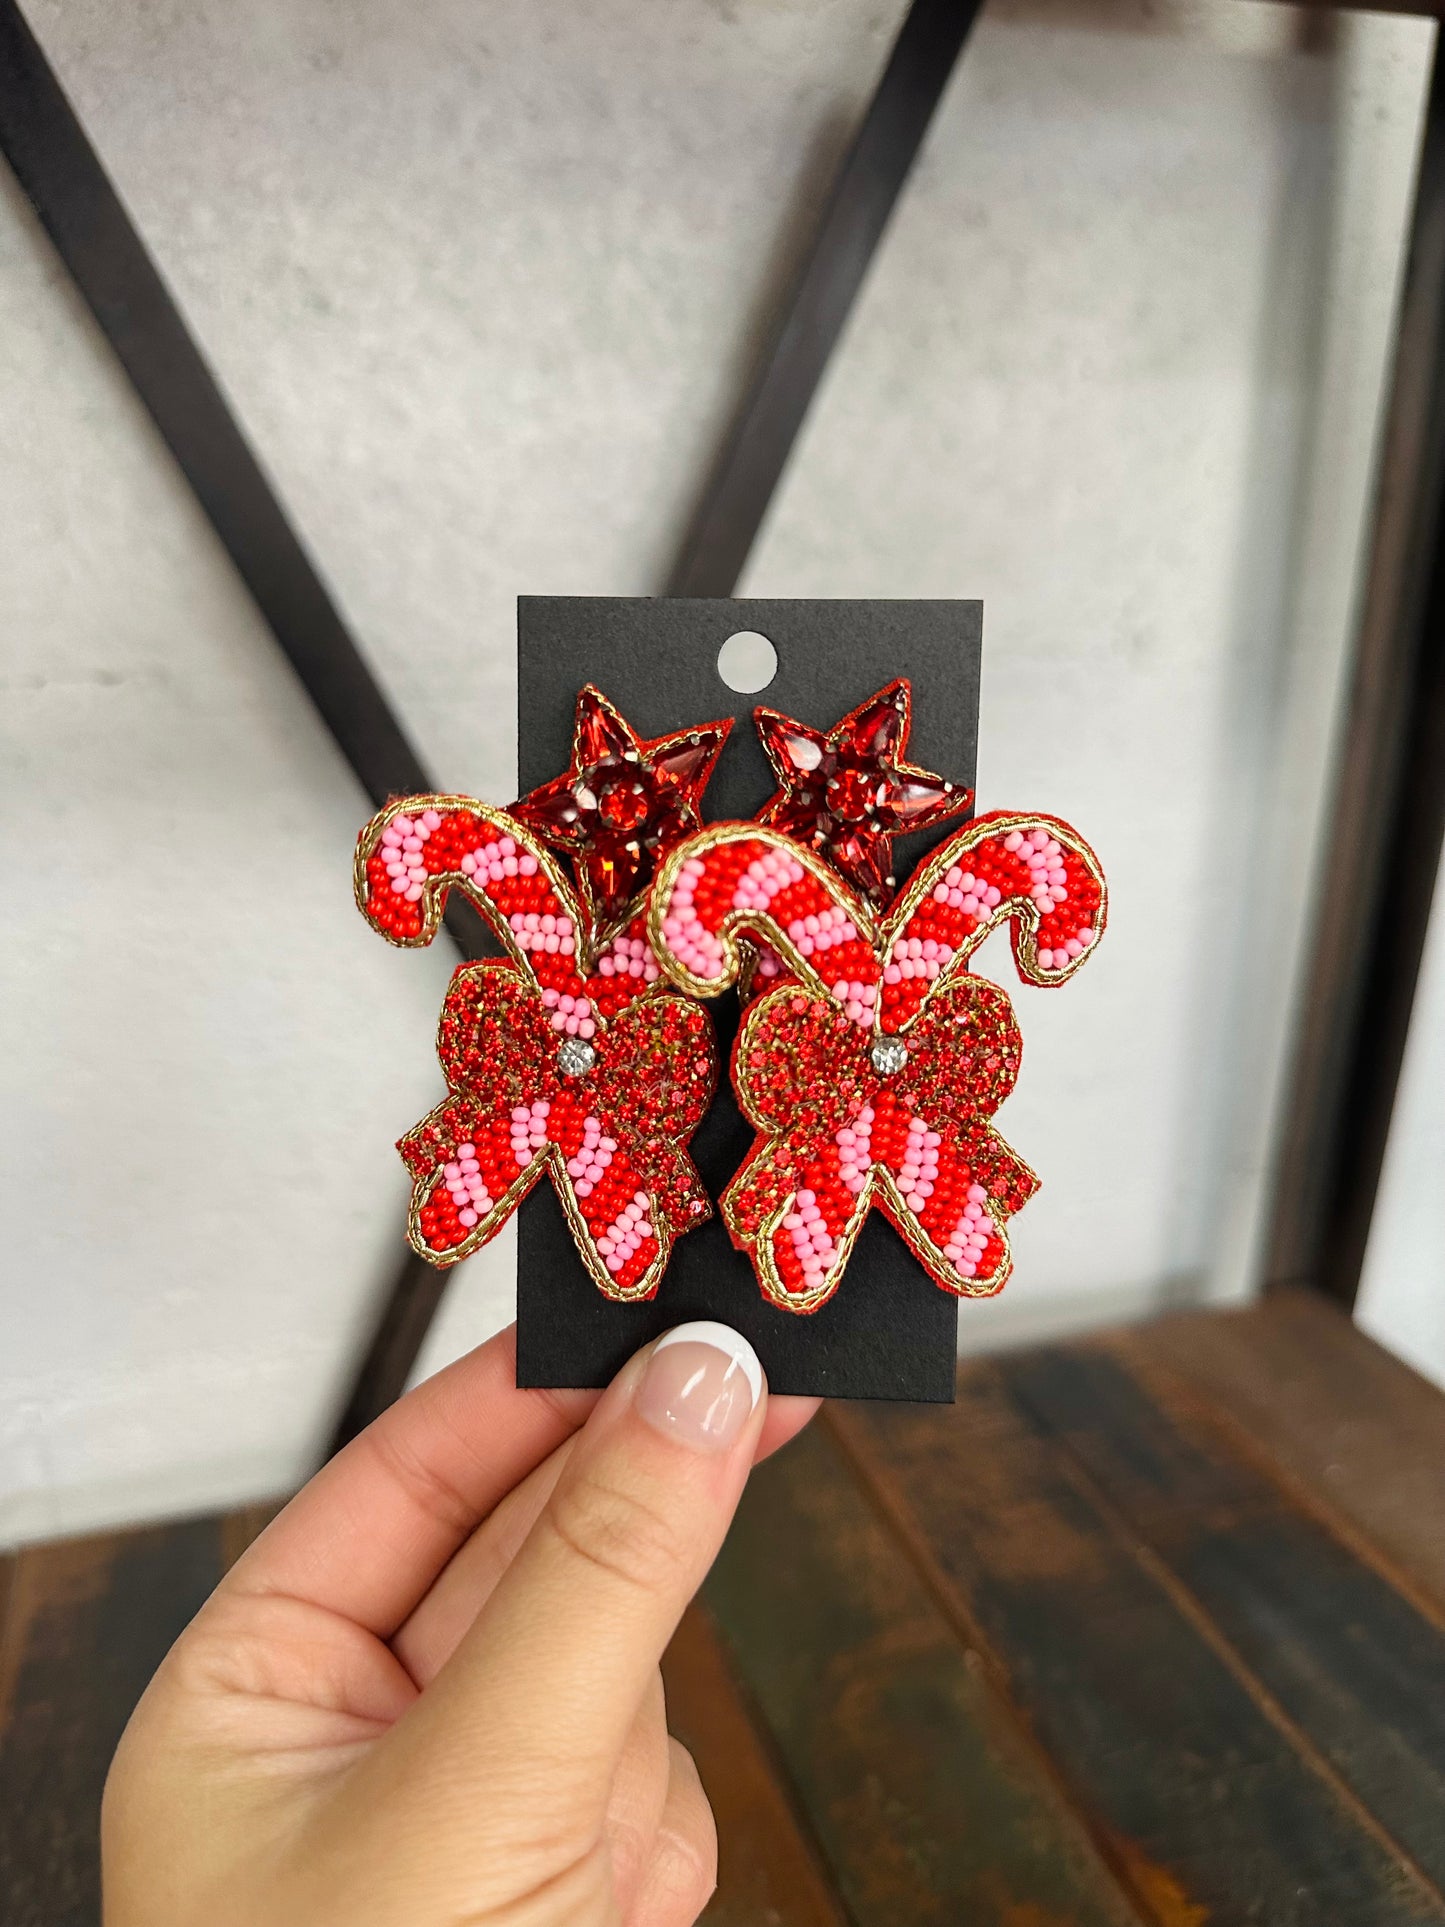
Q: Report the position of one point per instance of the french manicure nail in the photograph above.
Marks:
(701, 1385)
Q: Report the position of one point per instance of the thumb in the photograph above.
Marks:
(555, 1665)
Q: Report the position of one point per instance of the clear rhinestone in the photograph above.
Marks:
(576, 1057)
(889, 1055)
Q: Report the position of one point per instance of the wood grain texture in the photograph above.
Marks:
(769, 1872)
(1356, 1669)
(928, 1801)
(1148, 1628)
(1358, 1429)
(7, 1588)
(89, 1622)
(1197, 1796)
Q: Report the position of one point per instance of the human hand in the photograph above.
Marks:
(428, 1696)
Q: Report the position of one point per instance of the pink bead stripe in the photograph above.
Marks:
(855, 1150)
(814, 935)
(969, 1238)
(962, 890)
(922, 957)
(463, 1179)
(767, 876)
(540, 932)
(529, 1131)
(570, 1015)
(628, 957)
(918, 1172)
(693, 944)
(857, 1000)
(493, 862)
(812, 1241)
(627, 1233)
(403, 843)
(592, 1160)
(1048, 885)
(403, 853)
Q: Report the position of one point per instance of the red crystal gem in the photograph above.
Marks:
(622, 805)
(850, 795)
(624, 802)
(849, 792)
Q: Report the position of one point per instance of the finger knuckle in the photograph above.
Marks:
(689, 1820)
(616, 1531)
(424, 1484)
(685, 1867)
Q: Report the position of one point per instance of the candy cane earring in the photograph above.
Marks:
(571, 1055)
(872, 1061)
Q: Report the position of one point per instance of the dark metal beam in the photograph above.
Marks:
(78, 206)
(1389, 807)
(62, 177)
(863, 197)
(401, 1328)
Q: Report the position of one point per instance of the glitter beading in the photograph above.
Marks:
(848, 793)
(623, 804)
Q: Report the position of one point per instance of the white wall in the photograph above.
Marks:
(482, 282)
(1402, 1288)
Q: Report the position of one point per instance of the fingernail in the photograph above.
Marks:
(701, 1384)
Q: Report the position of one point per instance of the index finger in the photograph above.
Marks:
(368, 1535)
(554, 1666)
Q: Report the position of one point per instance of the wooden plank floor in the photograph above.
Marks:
(1149, 1628)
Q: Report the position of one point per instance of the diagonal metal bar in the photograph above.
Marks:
(401, 1327)
(1389, 807)
(78, 206)
(862, 199)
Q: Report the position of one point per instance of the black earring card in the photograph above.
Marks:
(888, 1332)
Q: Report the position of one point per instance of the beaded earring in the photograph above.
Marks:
(572, 1054)
(870, 1061)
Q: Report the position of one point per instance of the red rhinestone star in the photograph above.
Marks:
(849, 793)
(624, 802)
